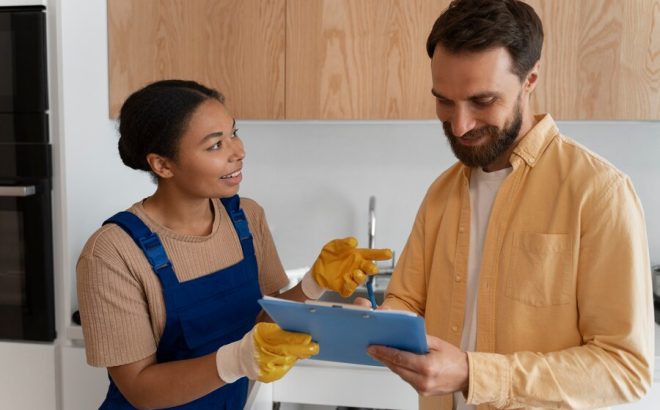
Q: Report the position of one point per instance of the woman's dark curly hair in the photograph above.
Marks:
(153, 119)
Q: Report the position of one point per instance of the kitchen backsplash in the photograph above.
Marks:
(314, 178)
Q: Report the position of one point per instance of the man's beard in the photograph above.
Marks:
(499, 141)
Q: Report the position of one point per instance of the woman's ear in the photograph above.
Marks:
(160, 165)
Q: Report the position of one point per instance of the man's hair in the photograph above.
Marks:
(478, 25)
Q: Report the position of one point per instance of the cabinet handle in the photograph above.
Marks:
(17, 191)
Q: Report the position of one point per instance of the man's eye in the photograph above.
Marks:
(484, 101)
(442, 101)
(235, 132)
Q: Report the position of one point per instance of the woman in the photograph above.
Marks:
(168, 290)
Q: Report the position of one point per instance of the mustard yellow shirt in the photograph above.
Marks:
(565, 315)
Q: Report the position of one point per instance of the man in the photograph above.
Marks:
(530, 253)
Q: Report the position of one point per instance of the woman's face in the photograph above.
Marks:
(210, 155)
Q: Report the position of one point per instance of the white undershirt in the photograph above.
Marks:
(483, 189)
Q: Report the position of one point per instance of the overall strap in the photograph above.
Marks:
(150, 244)
(238, 218)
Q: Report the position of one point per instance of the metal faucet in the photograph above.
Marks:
(372, 221)
(372, 233)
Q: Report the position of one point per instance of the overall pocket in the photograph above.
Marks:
(540, 269)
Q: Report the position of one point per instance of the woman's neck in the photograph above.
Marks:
(188, 216)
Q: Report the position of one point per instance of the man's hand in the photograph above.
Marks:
(443, 370)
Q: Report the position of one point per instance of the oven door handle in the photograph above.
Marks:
(17, 191)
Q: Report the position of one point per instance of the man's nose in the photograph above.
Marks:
(462, 121)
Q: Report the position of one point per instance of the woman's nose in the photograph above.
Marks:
(237, 149)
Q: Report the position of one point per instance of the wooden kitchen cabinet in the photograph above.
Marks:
(366, 59)
(601, 59)
(235, 46)
(362, 59)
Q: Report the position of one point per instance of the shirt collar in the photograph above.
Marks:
(531, 146)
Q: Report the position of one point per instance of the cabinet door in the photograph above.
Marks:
(363, 59)
(601, 59)
(235, 46)
(366, 59)
(83, 387)
(27, 376)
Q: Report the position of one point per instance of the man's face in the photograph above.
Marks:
(481, 104)
(496, 141)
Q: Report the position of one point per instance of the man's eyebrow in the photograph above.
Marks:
(438, 95)
(485, 94)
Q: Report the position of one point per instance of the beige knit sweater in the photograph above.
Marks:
(120, 297)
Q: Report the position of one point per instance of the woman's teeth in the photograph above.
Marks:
(235, 174)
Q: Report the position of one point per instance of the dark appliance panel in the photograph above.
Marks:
(27, 308)
(26, 267)
(23, 127)
(23, 72)
(22, 163)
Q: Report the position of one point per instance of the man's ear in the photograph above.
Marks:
(532, 78)
(160, 165)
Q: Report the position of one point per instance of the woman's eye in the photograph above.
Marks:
(216, 146)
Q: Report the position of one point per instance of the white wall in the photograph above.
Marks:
(313, 178)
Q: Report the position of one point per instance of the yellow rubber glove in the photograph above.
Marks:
(342, 266)
(266, 353)
(278, 350)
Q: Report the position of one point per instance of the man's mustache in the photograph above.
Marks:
(472, 134)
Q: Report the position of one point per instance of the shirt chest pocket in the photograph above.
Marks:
(540, 269)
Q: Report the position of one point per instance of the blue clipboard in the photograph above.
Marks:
(344, 332)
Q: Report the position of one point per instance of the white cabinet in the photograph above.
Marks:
(27, 376)
(327, 383)
(83, 387)
(650, 402)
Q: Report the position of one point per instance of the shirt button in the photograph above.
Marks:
(458, 278)
(461, 229)
(454, 329)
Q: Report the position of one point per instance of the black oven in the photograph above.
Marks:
(26, 239)
(23, 63)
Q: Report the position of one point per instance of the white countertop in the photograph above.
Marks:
(74, 333)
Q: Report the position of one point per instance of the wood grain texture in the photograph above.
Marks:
(366, 59)
(363, 59)
(601, 59)
(235, 46)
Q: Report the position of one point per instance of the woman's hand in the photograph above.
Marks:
(266, 353)
(342, 267)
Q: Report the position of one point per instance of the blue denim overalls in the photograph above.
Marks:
(201, 314)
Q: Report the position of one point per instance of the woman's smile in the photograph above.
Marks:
(234, 178)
